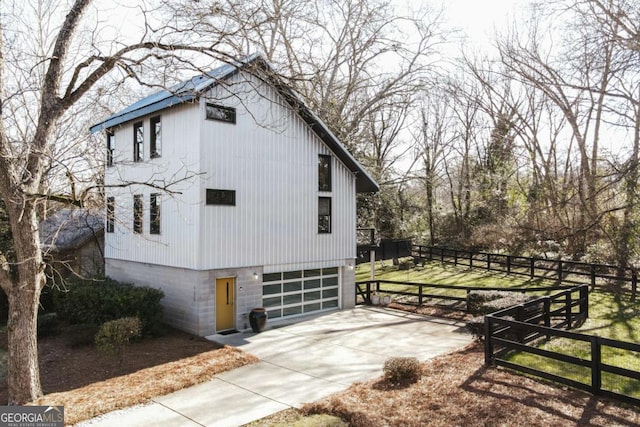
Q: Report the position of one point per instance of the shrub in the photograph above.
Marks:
(484, 302)
(97, 302)
(475, 326)
(402, 370)
(114, 335)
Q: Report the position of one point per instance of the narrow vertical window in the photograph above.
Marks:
(137, 214)
(155, 144)
(324, 172)
(111, 214)
(154, 212)
(111, 145)
(324, 214)
(138, 142)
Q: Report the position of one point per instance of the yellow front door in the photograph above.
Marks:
(224, 304)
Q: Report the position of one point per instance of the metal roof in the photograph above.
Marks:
(69, 229)
(190, 90)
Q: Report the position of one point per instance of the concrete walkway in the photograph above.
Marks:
(300, 362)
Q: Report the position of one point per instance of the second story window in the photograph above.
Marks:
(111, 145)
(220, 113)
(137, 214)
(324, 215)
(111, 214)
(138, 142)
(324, 172)
(154, 212)
(155, 143)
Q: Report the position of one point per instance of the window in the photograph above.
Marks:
(324, 214)
(137, 214)
(111, 214)
(111, 145)
(138, 142)
(221, 197)
(220, 113)
(324, 172)
(155, 144)
(154, 213)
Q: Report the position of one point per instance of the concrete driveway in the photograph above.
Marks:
(300, 362)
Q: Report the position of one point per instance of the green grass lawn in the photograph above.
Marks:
(610, 316)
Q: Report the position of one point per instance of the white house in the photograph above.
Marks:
(261, 210)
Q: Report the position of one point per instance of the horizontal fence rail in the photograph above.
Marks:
(559, 270)
(530, 329)
(420, 292)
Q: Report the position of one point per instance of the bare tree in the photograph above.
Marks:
(42, 85)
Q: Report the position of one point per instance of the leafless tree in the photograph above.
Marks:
(55, 59)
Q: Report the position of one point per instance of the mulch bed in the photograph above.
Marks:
(63, 367)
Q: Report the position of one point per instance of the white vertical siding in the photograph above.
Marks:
(270, 158)
(175, 245)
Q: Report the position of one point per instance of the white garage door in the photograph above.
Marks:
(292, 293)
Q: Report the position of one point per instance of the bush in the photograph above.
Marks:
(402, 370)
(484, 302)
(113, 336)
(97, 302)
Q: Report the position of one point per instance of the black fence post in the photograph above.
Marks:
(455, 257)
(508, 264)
(520, 318)
(634, 284)
(596, 365)
(368, 297)
(420, 295)
(488, 344)
(593, 276)
(568, 309)
(533, 267)
(559, 270)
(547, 314)
(470, 259)
(430, 253)
(442, 255)
(584, 301)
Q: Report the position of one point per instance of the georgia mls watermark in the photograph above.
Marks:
(31, 416)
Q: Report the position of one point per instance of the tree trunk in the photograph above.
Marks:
(23, 376)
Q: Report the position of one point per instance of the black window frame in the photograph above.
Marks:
(138, 144)
(155, 140)
(217, 197)
(228, 113)
(324, 172)
(154, 213)
(111, 214)
(138, 214)
(111, 139)
(324, 219)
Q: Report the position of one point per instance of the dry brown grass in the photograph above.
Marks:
(457, 390)
(138, 387)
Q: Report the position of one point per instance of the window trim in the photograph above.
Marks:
(328, 186)
(321, 216)
(155, 143)
(111, 214)
(111, 137)
(227, 110)
(155, 216)
(138, 214)
(138, 146)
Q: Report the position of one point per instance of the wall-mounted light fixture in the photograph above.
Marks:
(350, 265)
(255, 276)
